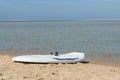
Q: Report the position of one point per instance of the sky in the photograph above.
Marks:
(36, 10)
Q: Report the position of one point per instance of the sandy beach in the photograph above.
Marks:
(10, 70)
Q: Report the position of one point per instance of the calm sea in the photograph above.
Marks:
(98, 38)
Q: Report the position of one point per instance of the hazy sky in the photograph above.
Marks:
(59, 9)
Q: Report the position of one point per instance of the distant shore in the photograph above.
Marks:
(10, 70)
(61, 20)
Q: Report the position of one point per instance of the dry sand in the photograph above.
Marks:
(10, 70)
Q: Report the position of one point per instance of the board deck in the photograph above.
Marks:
(63, 58)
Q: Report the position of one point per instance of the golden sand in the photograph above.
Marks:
(10, 70)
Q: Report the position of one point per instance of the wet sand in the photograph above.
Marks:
(10, 70)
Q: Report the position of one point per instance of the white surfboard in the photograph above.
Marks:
(63, 58)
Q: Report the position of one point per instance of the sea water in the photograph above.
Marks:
(93, 37)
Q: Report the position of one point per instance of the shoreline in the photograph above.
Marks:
(88, 59)
(10, 70)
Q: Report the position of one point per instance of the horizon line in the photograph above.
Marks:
(50, 20)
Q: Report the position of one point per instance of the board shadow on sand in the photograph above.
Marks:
(83, 62)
